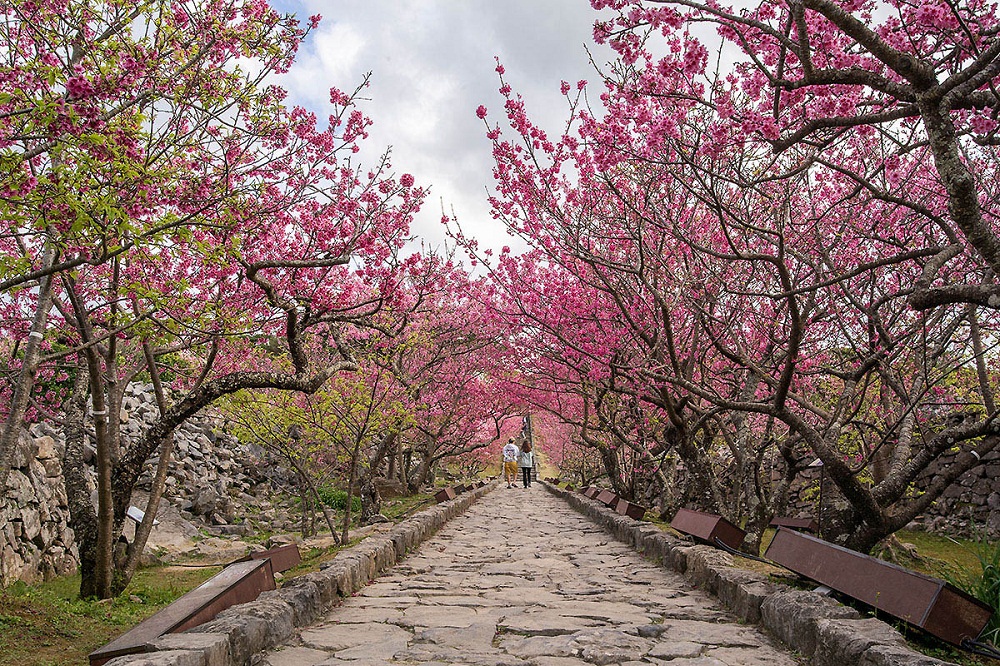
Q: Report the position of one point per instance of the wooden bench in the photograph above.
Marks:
(708, 527)
(282, 558)
(630, 509)
(236, 584)
(923, 601)
(614, 502)
(445, 494)
(606, 497)
(802, 524)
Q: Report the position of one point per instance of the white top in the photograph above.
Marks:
(510, 452)
(526, 459)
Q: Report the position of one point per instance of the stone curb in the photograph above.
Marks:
(238, 633)
(815, 626)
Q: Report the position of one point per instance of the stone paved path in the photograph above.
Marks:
(522, 579)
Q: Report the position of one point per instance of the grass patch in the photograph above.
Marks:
(938, 551)
(312, 559)
(47, 625)
(398, 508)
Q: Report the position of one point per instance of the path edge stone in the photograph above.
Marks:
(240, 632)
(811, 624)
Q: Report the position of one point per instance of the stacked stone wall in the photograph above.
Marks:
(216, 482)
(972, 504)
(969, 507)
(35, 541)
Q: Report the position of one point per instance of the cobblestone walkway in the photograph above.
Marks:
(521, 579)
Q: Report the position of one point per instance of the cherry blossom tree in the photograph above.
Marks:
(757, 290)
(446, 361)
(194, 225)
(819, 74)
(886, 105)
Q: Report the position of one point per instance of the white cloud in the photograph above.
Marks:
(339, 48)
(432, 64)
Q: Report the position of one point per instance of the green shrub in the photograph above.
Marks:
(983, 584)
(337, 499)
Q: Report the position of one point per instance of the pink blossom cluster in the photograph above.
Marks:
(740, 253)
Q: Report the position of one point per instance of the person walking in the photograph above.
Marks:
(526, 461)
(510, 456)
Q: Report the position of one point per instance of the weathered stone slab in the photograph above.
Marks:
(677, 650)
(564, 661)
(897, 655)
(381, 651)
(295, 656)
(743, 592)
(430, 653)
(467, 601)
(438, 616)
(844, 641)
(549, 622)
(793, 615)
(247, 634)
(336, 637)
(383, 602)
(213, 647)
(611, 646)
(738, 656)
(324, 582)
(304, 600)
(712, 633)
(476, 637)
(581, 590)
(607, 612)
(540, 646)
(169, 658)
(359, 614)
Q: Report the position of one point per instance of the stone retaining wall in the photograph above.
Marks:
(214, 480)
(969, 507)
(816, 626)
(36, 542)
(237, 634)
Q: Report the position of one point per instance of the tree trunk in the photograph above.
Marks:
(406, 469)
(345, 534)
(391, 472)
(371, 501)
(420, 476)
(82, 517)
(331, 521)
(104, 566)
(613, 468)
(29, 370)
(123, 575)
(674, 491)
(306, 505)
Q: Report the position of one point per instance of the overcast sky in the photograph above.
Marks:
(432, 64)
